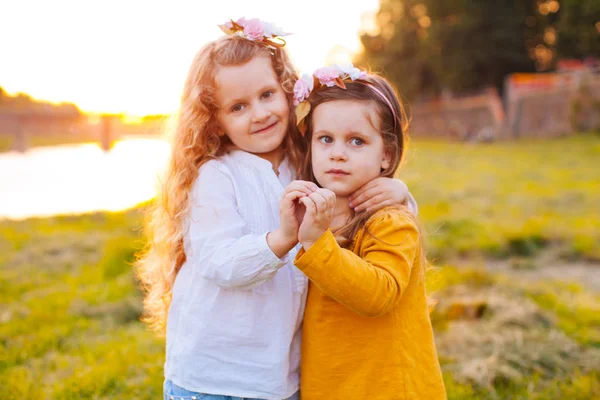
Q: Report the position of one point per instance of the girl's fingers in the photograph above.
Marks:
(379, 206)
(289, 199)
(310, 185)
(294, 195)
(361, 190)
(330, 197)
(364, 196)
(320, 201)
(302, 186)
(297, 188)
(311, 209)
(375, 202)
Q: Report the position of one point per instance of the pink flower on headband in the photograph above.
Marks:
(334, 75)
(302, 88)
(351, 71)
(253, 29)
(256, 30)
(327, 75)
(271, 30)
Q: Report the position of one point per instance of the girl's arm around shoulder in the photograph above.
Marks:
(371, 282)
(383, 192)
(217, 244)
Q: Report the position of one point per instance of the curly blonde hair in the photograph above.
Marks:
(195, 140)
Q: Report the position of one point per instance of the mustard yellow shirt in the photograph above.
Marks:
(367, 332)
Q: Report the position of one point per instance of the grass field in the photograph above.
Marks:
(69, 305)
(508, 198)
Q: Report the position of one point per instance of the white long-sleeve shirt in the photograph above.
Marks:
(234, 322)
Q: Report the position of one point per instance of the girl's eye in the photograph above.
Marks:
(267, 94)
(357, 141)
(325, 139)
(237, 107)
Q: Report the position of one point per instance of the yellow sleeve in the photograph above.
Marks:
(373, 284)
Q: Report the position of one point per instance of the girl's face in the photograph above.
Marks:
(347, 147)
(253, 108)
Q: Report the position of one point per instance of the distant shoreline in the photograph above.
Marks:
(7, 141)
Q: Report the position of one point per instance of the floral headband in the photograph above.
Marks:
(334, 75)
(256, 30)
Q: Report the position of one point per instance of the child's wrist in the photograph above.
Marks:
(306, 245)
(280, 243)
(289, 239)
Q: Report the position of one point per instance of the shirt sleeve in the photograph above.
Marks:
(371, 285)
(412, 205)
(218, 245)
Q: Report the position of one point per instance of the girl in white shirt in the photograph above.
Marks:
(216, 272)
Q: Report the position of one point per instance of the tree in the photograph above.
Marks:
(578, 27)
(424, 46)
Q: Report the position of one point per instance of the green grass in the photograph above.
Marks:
(511, 198)
(70, 307)
(531, 342)
(577, 310)
(576, 387)
(70, 310)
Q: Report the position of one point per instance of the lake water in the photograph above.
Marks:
(79, 178)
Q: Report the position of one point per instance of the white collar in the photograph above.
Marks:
(259, 162)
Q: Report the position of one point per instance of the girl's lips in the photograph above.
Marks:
(265, 129)
(337, 172)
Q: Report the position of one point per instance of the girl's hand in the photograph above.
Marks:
(284, 238)
(289, 210)
(378, 193)
(320, 207)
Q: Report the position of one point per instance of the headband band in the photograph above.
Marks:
(380, 93)
(256, 31)
(334, 75)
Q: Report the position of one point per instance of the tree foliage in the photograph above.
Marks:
(578, 26)
(426, 46)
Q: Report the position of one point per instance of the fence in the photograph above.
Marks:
(570, 105)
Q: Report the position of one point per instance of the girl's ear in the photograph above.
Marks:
(386, 160)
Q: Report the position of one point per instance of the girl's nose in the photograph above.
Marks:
(338, 152)
(260, 113)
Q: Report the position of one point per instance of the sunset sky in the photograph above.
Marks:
(132, 56)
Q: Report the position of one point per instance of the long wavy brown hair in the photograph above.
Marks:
(195, 140)
(393, 129)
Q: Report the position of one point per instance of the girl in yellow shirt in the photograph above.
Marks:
(367, 332)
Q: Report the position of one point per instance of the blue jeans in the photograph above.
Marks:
(173, 392)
